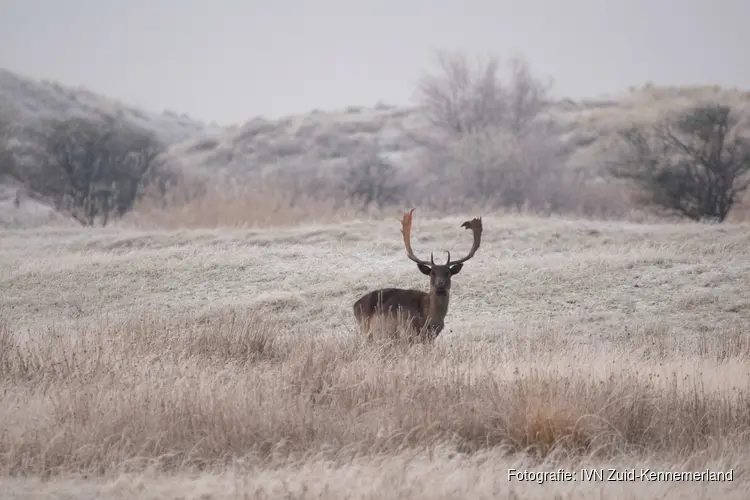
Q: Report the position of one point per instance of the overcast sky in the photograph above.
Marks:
(231, 60)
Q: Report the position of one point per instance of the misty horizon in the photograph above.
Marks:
(229, 61)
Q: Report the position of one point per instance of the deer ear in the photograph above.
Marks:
(425, 269)
(456, 269)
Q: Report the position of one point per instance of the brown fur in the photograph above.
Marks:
(424, 313)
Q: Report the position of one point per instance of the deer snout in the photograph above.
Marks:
(442, 286)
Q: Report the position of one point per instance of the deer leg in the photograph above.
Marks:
(433, 332)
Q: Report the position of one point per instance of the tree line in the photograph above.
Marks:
(486, 140)
(91, 168)
(493, 141)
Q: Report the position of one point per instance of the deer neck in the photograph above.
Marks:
(437, 306)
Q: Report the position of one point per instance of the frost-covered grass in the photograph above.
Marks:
(224, 362)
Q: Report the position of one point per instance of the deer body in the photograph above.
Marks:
(423, 313)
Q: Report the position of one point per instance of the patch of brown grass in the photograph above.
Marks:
(187, 392)
(225, 204)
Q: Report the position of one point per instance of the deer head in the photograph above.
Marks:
(440, 274)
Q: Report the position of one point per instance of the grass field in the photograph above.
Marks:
(224, 363)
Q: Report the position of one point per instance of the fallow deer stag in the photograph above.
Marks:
(423, 312)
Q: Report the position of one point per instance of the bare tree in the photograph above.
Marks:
(95, 168)
(489, 140)
(527, 98)
(370, 179)
(461, 98)
(501, 169)
(8, 164)
(163, 176)
(694, 163)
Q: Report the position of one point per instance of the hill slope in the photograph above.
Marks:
(324, 140)
(30, 100)
(321, 141)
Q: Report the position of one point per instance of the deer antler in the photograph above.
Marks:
(406, 231)
(476, 227)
